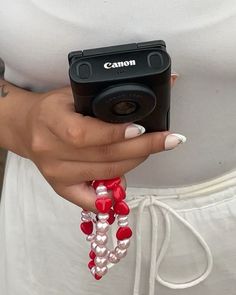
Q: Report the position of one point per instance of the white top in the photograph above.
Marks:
(37, 35)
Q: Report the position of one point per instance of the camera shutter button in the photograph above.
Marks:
(84, 70)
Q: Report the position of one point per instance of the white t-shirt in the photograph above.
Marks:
(37, 35)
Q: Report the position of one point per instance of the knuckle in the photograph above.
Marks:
(150, 146)
(76, 135)
(114, 134)
(38, 144)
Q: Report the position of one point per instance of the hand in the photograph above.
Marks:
(71, 150)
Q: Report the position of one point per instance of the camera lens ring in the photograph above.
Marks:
(136, 94)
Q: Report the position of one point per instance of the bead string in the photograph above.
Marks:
(108, 210)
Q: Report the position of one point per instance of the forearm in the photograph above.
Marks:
(15, 103)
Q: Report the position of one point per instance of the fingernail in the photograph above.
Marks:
(173, 140)
(174, 74)
(134, 130)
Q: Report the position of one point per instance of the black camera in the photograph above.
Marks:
(125, 83)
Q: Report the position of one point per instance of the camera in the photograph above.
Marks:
(124, 83)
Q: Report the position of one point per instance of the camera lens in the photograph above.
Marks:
(121, 103)
(125, 108)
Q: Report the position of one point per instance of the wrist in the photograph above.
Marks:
(14, 109)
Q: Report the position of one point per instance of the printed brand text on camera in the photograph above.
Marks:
(119, 64)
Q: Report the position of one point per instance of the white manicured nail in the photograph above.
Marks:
(174, 75)
(134, 130)
(173, 140)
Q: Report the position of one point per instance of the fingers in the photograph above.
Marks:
(134, 148)
(82, 195)
(70, 173)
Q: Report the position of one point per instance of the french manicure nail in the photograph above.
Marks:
(173, 140)
(134, 130)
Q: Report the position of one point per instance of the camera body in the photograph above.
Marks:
(125, 83)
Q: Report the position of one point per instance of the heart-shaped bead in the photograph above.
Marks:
(111, 183)
(97, 277)
(124, 233)
(92, 255)
(119, 194)
(103, 204)
(87, 227)
(121, 208)
(111, 218)
(91, 264)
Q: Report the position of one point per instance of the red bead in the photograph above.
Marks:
(119, 193)
(124, 233)
(96, 183)
(103, 204)
(111, 218)
(97, 277)
(91, 264)
(87, 227)
(92, 255)
(121, 208)
(111, 183)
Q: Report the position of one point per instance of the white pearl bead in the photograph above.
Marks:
(102, 226)
(102, 194)
(85, 219)
(100, 261)
(122, 218)
(113, 258)
(101, 189)
(101, 271)
(90, 238)
(101, 239)
(120, 253)
(100, 251)
(93, 246)
(93, 271)
(103, 216)
(124, 244)
(123, 223)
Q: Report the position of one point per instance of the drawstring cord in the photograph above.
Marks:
(156, 260)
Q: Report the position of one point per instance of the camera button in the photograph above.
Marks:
(84, 70)
(155, 60)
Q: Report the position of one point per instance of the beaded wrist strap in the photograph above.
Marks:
(108, 209)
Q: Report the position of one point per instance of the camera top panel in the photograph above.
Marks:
(116, 63)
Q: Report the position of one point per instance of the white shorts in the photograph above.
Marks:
(184, 238)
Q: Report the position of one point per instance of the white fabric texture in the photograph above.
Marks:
(178, 234)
